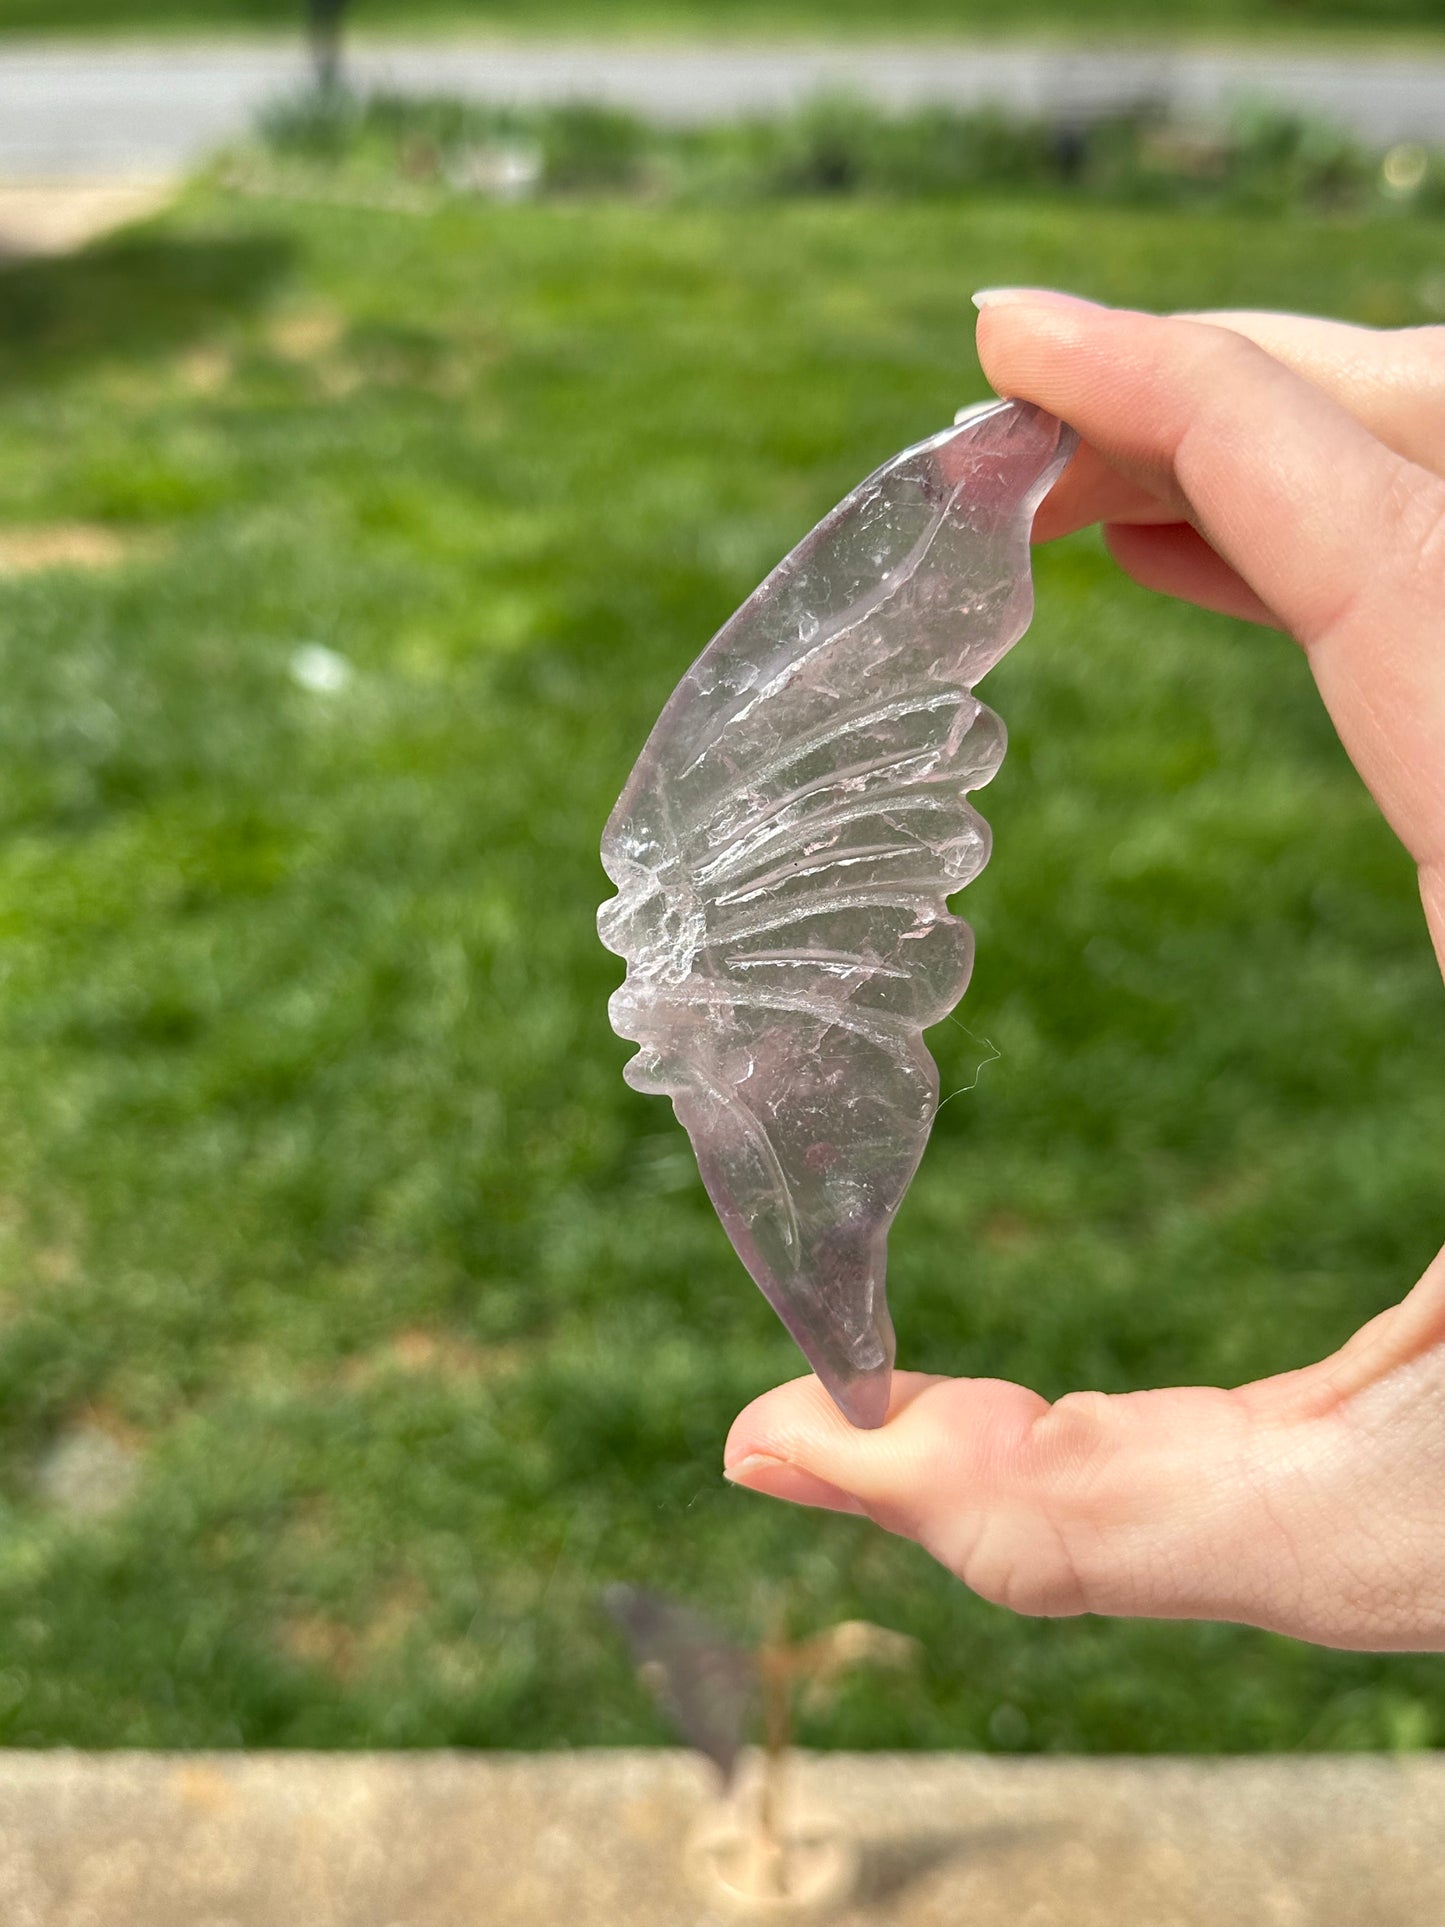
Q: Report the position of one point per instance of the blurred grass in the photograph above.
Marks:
(719, 19)
(324, 1198)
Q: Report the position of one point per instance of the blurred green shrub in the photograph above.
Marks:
(580, 148)
(588, 148)
(1264, 159)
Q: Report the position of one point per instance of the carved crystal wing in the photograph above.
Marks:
(784, 852)
(704, 1682)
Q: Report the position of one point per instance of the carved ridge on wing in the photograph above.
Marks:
(756, 1133)
(954, 696)
(837, 626)
(923, 895)
(881, 1028)
(852, 776)
(816, 862)
(843, 963)
(932, 796)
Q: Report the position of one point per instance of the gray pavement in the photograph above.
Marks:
(106, 110)
(596, 1839)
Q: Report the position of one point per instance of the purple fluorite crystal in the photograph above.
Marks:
(784, 852)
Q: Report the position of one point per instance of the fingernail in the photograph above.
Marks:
(1022, 297)
(760, 1472)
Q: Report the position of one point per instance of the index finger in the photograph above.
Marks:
(1392, 381)
(1341, 536)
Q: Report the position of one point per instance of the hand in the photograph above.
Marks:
(1285, 470)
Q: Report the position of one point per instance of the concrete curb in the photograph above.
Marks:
(594, 1839)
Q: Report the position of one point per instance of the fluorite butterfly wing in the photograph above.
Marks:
(704, 1682)
(784, 851)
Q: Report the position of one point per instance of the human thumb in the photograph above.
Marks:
(1135, 1504)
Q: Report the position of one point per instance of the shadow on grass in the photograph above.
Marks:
(137, 295)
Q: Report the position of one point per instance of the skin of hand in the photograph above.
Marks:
(1289, 471)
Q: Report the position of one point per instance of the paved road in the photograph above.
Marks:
(93, 110)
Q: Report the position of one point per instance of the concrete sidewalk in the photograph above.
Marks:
(102, 111)
(594, 1839)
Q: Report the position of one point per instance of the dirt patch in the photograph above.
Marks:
(56, 217)
(87, 1473)
(345, 1651)
(206, 371)
(55, 1264)
(1006, 1232)
(66, 545)
(314, 1640)
(420, 1352)
(306, 335)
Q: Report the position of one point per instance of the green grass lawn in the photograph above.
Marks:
(1076, 19)
(323, 1196)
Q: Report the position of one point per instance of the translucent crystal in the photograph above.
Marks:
(703, 1681)
(784, 852)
